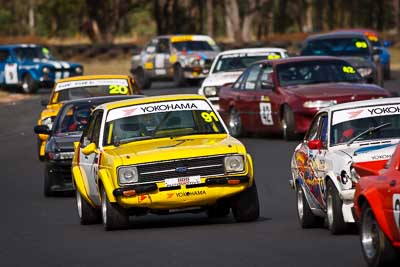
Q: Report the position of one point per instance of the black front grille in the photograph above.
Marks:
(204, 166)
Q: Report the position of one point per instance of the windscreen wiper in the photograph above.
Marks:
(369, 130)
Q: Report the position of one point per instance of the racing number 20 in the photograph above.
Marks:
(118, 90)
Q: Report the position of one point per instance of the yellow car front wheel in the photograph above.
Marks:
(245, 206)
(113, 218)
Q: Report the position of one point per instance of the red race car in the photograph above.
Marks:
(377, 207)
(282, 96)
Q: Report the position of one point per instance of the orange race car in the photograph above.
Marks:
(377, 208)
(78, 88)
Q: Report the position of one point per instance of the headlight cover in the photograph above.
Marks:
(46, 70)
(364, 71)
(210, 91)
(128, 175)
(234, 163)
(319, 103)
(78, 70)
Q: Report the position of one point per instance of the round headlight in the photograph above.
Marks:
(128, 175)
(46, 70)
(234, 163)
(210, 91)
(78, 70)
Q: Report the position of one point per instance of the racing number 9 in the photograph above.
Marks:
(118, 90)
(209, 117)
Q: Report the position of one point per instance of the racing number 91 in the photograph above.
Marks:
(209, 117)
(118, 90)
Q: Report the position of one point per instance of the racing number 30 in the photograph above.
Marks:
(266, 113)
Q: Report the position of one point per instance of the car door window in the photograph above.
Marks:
(151, 47)
(251, 81)
(96, 128)
(324, 130)
(240, 80)
(163, 46)
(312, 133)
(88, 132)
(265, 78)
(4, 55)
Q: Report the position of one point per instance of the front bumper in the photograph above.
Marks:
(157, 196)
(59, 174)
(195, 72)
(347, 197)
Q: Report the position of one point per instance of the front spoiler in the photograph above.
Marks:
(152, 196)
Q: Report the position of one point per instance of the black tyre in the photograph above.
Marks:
(87, 214)
(245, 206)
(336, 223)
(179, 78)
(39, 143)
(387, 71)
(142, 79)
(220, 210)
(235, 123)
(47, 183)
(194, 82)
(29, 85)
(306, 218)
(375, 246)
(288, 124)
(112, 217)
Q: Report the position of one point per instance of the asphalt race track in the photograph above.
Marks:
(39, 231)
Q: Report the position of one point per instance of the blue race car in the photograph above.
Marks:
(376, 42)
(31, 67)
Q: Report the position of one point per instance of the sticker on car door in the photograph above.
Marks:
(266, 114)
(396, 209)
(11, 73)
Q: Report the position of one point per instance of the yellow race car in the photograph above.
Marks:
(161, 155)
(81, 87)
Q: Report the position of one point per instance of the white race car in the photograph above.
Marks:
(228, 66)
(344, 142)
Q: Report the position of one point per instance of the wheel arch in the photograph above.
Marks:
(373, 199)
(79, 184)
(104, 180)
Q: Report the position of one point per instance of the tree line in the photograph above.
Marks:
(232, 20)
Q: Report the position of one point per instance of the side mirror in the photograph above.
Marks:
(44, 102)
(89, 149)
(314, 144)
(267, 85)
(42, 129)
(387, 43)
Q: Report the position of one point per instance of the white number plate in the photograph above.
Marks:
(182, 181)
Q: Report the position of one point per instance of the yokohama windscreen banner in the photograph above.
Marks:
(364, 112)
